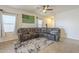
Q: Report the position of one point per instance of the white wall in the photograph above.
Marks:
(69, 21)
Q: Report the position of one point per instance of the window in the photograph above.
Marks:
(9, 23)
(40, 23)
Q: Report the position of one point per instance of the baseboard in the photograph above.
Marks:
(72, 39)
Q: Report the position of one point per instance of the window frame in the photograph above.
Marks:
(10, 14)
(39, 24)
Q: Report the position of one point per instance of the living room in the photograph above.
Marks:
(61, 18)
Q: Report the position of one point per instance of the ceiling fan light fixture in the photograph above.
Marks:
(44, 10)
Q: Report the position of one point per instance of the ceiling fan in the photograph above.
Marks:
(46, 8)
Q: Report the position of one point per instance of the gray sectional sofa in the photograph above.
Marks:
(25, 34)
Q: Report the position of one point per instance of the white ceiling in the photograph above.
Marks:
(36, 8)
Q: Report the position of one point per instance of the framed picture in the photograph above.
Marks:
(28, 19)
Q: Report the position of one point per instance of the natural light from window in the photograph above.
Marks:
(9, 23)
(40, 23)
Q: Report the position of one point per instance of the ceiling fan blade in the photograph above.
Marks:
(49, 9)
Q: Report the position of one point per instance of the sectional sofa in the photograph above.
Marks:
(25, 34)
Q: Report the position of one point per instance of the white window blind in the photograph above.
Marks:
(9, 22)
